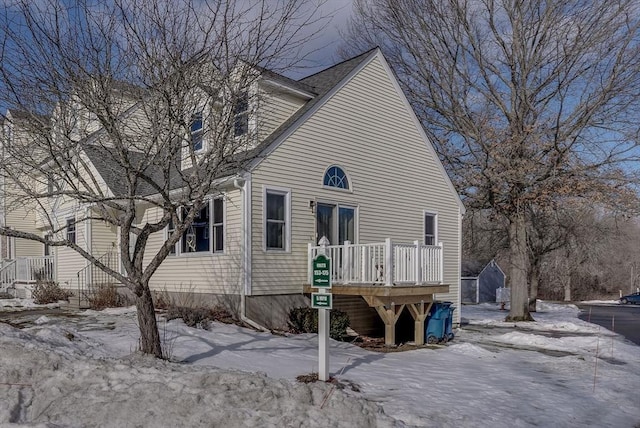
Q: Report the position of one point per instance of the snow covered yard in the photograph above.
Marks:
(82, 371)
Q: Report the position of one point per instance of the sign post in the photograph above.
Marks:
(323, 301)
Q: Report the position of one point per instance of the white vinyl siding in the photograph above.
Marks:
(275, 107)
(367, 129)
(69, 262)
(104, 238)
(20, 218)
(20, 215)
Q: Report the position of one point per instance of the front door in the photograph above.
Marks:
(336, 222)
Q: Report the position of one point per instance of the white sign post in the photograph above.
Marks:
(322, 301)
(323, 344)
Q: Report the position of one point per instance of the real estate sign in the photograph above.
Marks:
(321, 272)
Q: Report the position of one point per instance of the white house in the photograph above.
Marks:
(340, 154)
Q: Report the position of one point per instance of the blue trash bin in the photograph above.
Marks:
(436, 323)
(448, 329)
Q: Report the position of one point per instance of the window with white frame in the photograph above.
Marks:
(430, 225)
(277, 219)
(218, 225)
(335, 176)
(196, 131)
(71, 230)
(206, 232)
(241, 115)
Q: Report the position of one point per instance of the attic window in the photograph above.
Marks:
(196, 131)
(241, 115)
(336, 177)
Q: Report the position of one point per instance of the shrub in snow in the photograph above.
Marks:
(199, 317)
(49, 292)
(106, 296)
(305, 320)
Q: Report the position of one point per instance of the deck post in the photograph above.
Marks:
(419, 314)
(346, 262)
(390, 316)
(418, 263)
(388, 262)
(441, 264)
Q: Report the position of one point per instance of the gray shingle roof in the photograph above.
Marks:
(114, 172)
(326, 79)
(284, 80)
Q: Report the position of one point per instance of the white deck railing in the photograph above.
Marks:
(27, 270)
(384, 263)
(7, 274)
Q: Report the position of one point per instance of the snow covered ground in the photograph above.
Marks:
(82, 371)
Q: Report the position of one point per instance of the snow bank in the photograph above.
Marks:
(81, 371)
(42, 385)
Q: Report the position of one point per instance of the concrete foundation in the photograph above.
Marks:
(273, 311)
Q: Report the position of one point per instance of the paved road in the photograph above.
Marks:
(626, 319)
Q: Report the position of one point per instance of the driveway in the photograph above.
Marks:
(622, 319)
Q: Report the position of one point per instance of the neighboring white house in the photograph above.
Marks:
(340, 154)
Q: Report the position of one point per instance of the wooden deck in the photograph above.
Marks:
(390, 301)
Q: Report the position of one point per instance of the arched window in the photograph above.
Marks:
(336, 177)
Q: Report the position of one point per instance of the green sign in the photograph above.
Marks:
(321, 301)
(321, 272)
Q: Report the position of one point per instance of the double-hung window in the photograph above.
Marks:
(241, 115)
(218, 225)
(71, 230)
(196, 131)
(430, 225)
(277, 219)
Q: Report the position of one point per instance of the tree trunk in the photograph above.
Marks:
(534, 279)
(567, 289)
(519, 263)
(149, 336)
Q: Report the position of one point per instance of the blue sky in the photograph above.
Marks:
(321, 51)
(324, 46)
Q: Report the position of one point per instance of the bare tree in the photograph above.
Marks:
(597, 261)
(146, 91)
(527, 102)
